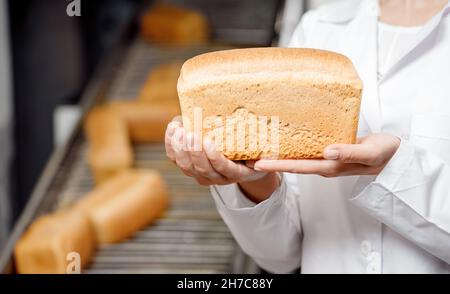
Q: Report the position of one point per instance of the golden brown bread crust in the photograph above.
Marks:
(125, 204)
(45, 245)
(110, 150)
(174, 25)
(309, 98)
(314, 63)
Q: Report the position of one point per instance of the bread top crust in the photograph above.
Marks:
(311, 64)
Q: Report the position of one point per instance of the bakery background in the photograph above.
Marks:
(115, 65)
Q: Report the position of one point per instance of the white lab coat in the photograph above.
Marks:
(396, 222)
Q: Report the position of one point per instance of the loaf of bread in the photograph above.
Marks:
(146, 122)
(110, 150)
(281, 103)
(48, 245)
(125, 204)
(174, 25)
(161, 84)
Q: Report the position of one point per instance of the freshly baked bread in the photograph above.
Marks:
(46, 245)
(110, 150)
(124, 204)
(271, 102)
(174, 25)
(146, 122)
(161, 84)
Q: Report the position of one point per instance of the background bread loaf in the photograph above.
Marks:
(161, 83)
(45, 246)
(174, 25)
(308, 98)
(112, 212)
(110, 150)
(125, 204)
(146, 122)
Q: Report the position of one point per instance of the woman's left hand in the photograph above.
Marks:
(367, 157)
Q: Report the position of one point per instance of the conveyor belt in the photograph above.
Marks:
(190, 238)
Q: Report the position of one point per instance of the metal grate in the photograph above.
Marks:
(191, 237)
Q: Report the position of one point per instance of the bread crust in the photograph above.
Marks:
(309, 98)
(314, 63)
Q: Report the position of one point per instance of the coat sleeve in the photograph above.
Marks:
(412, 196)
(269, 232)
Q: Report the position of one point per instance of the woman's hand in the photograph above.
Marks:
(210, 167)
(367, 157)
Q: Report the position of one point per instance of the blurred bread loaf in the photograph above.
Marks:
(46, 245)
(161, 84)
(125, 204)
(110, 150)
(291, 102)
(146, 122)
(174, 25)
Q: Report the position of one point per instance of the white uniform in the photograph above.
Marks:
(396, 222)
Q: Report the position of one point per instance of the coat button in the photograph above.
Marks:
(379, 76)
(366, 248)
(374, 257)
(374, 265)
(373, 268)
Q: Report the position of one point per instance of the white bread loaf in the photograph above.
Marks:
(146, 122)
(171, 24)
(306, 98)
(161, 83)
(125, 204)
(46, 245)
(110, 150)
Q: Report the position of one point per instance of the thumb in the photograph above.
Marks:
(351, 153)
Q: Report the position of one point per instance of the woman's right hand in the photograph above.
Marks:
(208, 166)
